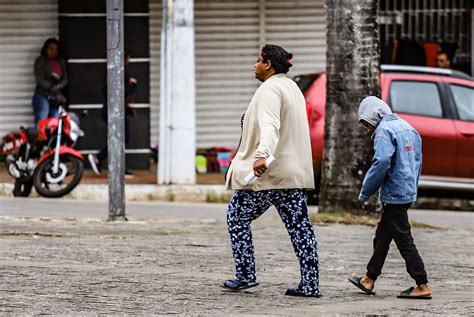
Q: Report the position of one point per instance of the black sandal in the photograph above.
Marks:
(406, 294)
(356, 281)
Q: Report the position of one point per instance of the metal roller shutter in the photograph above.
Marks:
(300, 27)
(24, 26)
(227, 40)
(228, 37)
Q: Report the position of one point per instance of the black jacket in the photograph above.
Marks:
(129, 91)
(46, 84)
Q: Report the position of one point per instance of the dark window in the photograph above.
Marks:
(415, 97)
(305, 81)
(464, 99)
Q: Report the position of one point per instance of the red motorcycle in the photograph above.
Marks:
(45, 157)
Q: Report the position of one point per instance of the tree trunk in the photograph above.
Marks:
(353, 71)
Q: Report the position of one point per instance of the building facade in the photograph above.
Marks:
(228, 36)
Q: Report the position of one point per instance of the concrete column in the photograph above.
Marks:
(177, 147)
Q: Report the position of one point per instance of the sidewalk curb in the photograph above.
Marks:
(437, 203)
(133, 192)
(208, 194)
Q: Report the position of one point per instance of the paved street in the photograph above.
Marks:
(60, 257)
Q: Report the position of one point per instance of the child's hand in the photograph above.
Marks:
(363, 205)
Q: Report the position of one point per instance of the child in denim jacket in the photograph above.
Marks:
(395, 171)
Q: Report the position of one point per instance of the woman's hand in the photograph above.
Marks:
(55, 89)
(259, 167)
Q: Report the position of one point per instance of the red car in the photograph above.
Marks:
(438, 103)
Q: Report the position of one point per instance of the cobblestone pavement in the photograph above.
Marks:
(87, 266)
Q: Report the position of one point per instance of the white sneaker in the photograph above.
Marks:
(94, 163)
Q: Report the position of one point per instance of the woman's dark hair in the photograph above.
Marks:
(280, 59)
(46, 44)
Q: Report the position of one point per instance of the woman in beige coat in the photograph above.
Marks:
(274, 124)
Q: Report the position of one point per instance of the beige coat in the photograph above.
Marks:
(275, 124)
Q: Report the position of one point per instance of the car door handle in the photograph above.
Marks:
(468, 134)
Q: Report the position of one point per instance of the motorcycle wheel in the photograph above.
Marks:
(22, 188)
(73, 176)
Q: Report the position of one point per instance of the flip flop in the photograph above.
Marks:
(406, 294)
(356, 281)
(236, 285)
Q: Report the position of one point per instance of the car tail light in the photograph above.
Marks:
(308, 110)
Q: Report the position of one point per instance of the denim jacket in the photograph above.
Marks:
(397, 161)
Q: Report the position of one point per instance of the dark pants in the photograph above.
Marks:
(246, 206)
(103, 153)
(394, 225)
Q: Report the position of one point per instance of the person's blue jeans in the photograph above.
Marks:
(42, 109)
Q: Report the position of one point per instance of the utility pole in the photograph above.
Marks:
(177, 104)
(115, 107)
(353, 72)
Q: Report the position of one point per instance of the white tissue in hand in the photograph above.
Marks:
(251, 176)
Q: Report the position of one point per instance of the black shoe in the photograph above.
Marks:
(236, 285)
(297, 292)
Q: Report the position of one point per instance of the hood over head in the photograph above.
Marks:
(373, 109)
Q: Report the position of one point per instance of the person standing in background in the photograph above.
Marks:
(51, 77)
(443, 61)
(130, 88)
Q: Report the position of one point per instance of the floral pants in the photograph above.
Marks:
(246, 206)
